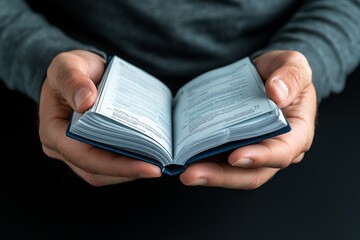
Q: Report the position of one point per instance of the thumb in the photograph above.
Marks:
(82, 94)
(72, 76)
(78, 90)
(287, 82)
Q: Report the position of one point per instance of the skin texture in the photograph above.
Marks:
(71, 85)
(288, 83)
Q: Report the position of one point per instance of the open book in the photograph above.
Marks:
(136, 115)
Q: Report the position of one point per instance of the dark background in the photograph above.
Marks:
(319, 198)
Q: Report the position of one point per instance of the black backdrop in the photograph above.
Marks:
(40, 198)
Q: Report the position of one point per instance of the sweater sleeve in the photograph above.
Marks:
(327, 32)
(27, 46)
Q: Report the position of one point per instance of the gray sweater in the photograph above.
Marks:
(176, 40)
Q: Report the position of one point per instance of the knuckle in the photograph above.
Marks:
(257, 182)
(48, 147)
(286, 162)
(48, 152)
(92, 179)
(307, 146)
(282, 157)
(299, 158)
(261, 177)
(43, 137)
(299, 70)
(67, 78)
(61, 73)
(307, 137)
(287, 159)
(296, 77)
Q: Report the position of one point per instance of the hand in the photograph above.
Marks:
(71, 85)
(288, 82)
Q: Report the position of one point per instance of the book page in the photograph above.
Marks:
(137, 100)
(216, 100)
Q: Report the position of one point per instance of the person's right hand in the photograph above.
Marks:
(70, 85)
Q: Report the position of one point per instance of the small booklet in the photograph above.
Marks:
(136, 115)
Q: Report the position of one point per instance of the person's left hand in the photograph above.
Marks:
(288, 82)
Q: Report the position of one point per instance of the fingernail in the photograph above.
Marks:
(81, 95)
(199, 182)
(281, 88)
(243, 162)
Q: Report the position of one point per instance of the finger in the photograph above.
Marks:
(277, 152)
(299, 158)
(97, 179)
(223, 175)
(285, 85)
(75, 76)
(282, 150)
(273, 153)
(98, 161)
(286, 75)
